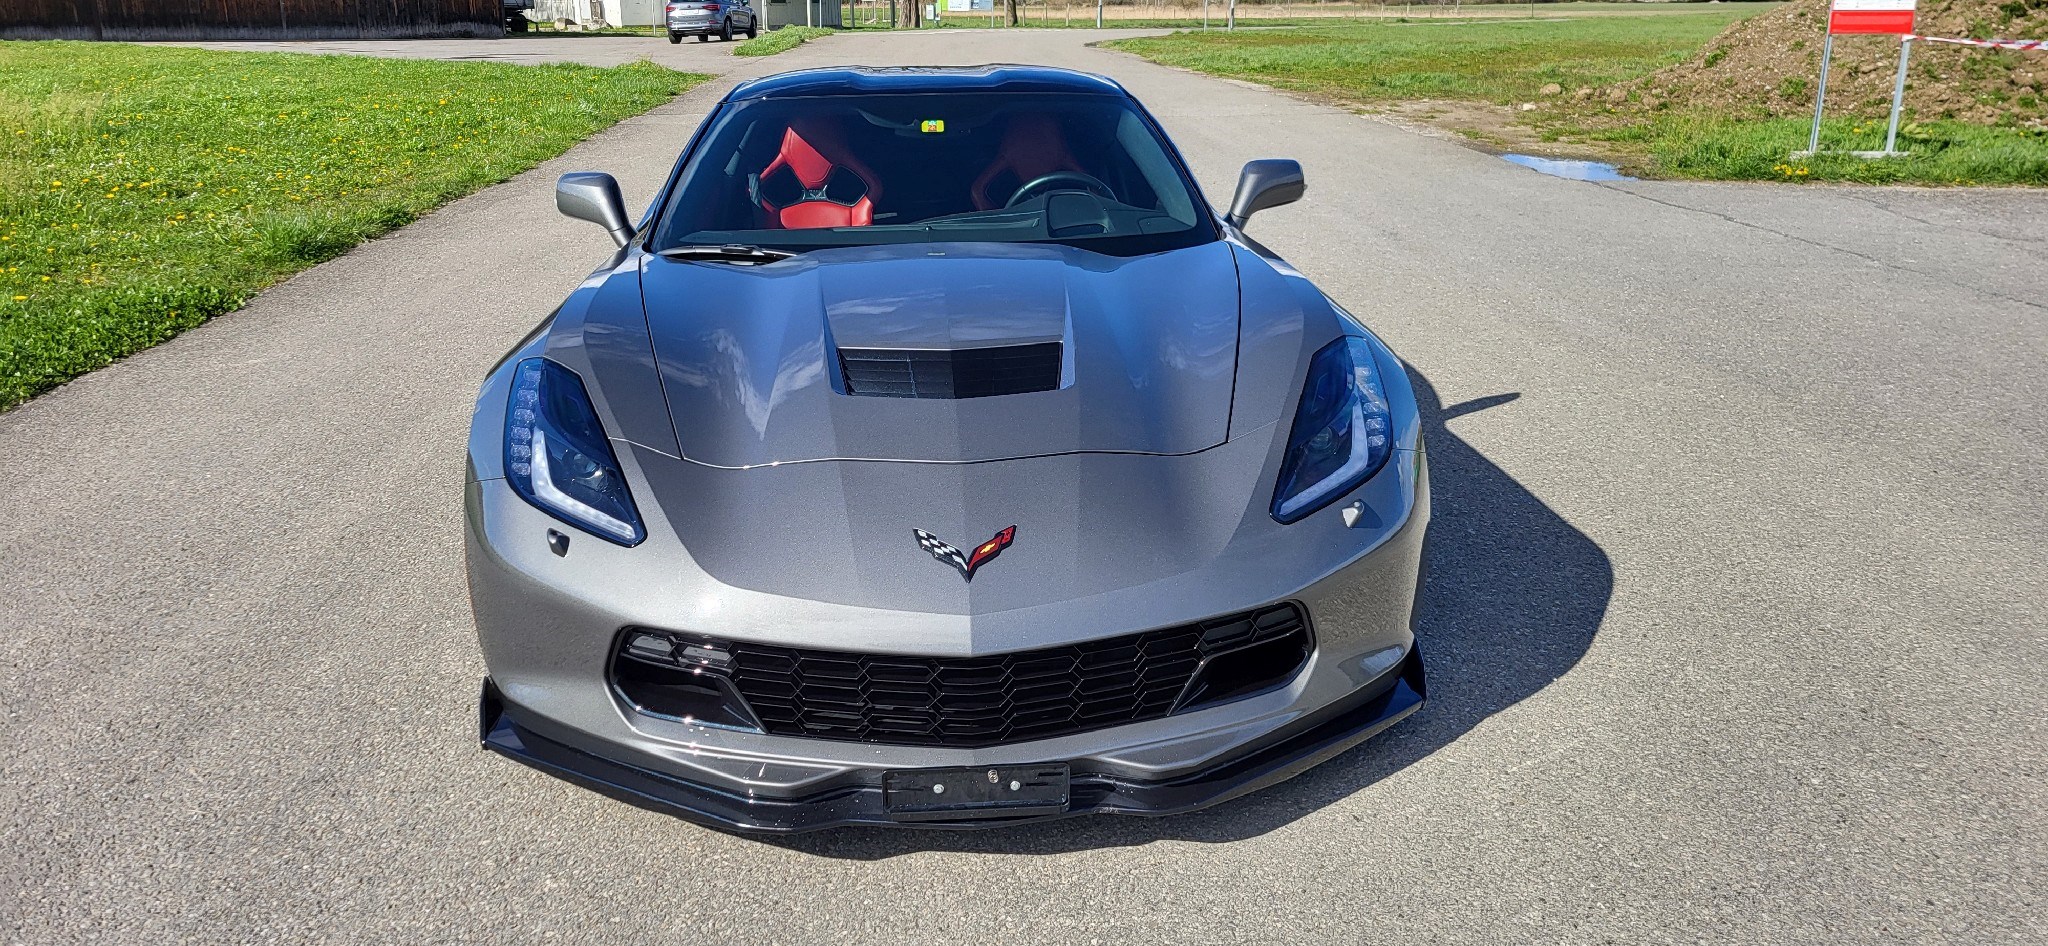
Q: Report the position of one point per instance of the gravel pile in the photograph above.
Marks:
(1767, 66)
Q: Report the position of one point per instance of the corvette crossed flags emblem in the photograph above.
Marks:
(965, 562)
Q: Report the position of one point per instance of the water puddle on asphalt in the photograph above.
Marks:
(1569, 170)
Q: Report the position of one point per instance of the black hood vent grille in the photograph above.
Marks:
(951, 373)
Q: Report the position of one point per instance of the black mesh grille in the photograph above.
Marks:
(983, 701)
(958, 373)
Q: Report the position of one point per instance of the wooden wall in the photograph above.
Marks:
(247, 19)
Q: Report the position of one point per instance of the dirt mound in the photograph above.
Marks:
(1767, 66)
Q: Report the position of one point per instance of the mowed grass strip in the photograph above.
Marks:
(145, 189)
(1506, 62)
(1730, 149)
(1188, 15)
(782, 40)
(1500, 61)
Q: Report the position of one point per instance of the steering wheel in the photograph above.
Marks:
(1060, 181)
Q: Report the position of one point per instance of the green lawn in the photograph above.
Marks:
(146, 189)
(1507, 62)
(782, 40)
(1498, 61)
(1188, 14)
(1940, 152)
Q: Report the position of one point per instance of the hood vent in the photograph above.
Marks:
(951, 373)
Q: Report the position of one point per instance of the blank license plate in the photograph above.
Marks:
(993, 792)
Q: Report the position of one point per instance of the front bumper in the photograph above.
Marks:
(547, 625)
(1314, 739)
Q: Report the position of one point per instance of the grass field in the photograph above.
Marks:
(782, 40)
(1506, 62)
(146, 189)
(1496, 61)
(1941, 152)
(1188, 13)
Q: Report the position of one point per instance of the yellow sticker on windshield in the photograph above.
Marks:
(933, 126)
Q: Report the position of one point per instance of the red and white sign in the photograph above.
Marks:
(1871, 16)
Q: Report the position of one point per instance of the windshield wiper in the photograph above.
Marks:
(731, 252)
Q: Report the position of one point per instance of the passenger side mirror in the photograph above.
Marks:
(594, 196)
(1265, 184)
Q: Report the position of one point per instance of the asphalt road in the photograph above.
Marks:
(1736, 621)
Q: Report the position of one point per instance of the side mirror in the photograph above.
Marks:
(593, 196)
(1263, 185)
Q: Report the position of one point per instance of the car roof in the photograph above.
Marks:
(885, 80)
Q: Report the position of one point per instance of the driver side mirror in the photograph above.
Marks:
(1263, 185)
(594, 196)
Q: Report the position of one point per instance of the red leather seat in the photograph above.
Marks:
(1032, 148)
(816, 156)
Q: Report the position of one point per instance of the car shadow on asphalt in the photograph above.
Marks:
(1513, 597)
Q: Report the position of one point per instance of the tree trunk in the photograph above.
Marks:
(1010, 7)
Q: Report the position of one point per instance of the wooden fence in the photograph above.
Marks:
(247, 19)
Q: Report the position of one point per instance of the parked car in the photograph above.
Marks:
(516, 15)
(721, 18)
(931, 452)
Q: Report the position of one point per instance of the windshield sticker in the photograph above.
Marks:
(933, 126)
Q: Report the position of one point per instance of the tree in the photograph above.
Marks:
(1010, 6)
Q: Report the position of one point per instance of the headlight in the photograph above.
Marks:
(1342, 430)
(557, 457)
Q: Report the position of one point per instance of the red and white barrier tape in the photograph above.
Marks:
(1987, 43)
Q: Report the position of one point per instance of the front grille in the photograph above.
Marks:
(983, 701)
(951, 373)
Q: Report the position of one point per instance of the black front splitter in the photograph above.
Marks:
(506, 730)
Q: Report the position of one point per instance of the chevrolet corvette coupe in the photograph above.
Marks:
(930, 452)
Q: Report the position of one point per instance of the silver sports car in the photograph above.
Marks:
(930, 452)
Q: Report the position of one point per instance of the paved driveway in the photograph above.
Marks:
(1735, 623)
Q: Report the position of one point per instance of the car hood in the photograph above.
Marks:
(749, 356)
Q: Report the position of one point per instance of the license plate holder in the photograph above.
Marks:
(995, 791)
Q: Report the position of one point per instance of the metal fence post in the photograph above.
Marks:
(1820, 95)
(1891, 134)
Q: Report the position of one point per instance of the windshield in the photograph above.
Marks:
(804, 173)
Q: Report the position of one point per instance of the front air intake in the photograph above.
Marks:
(951, 373)
(962, 702)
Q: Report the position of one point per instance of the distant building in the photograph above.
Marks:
(776, 14)
(248, 19)
(631, 13)
(596, 14)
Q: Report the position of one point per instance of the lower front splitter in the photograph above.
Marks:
(1288, 752)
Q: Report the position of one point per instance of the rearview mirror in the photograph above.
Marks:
(1265, 184)
(594, 196)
